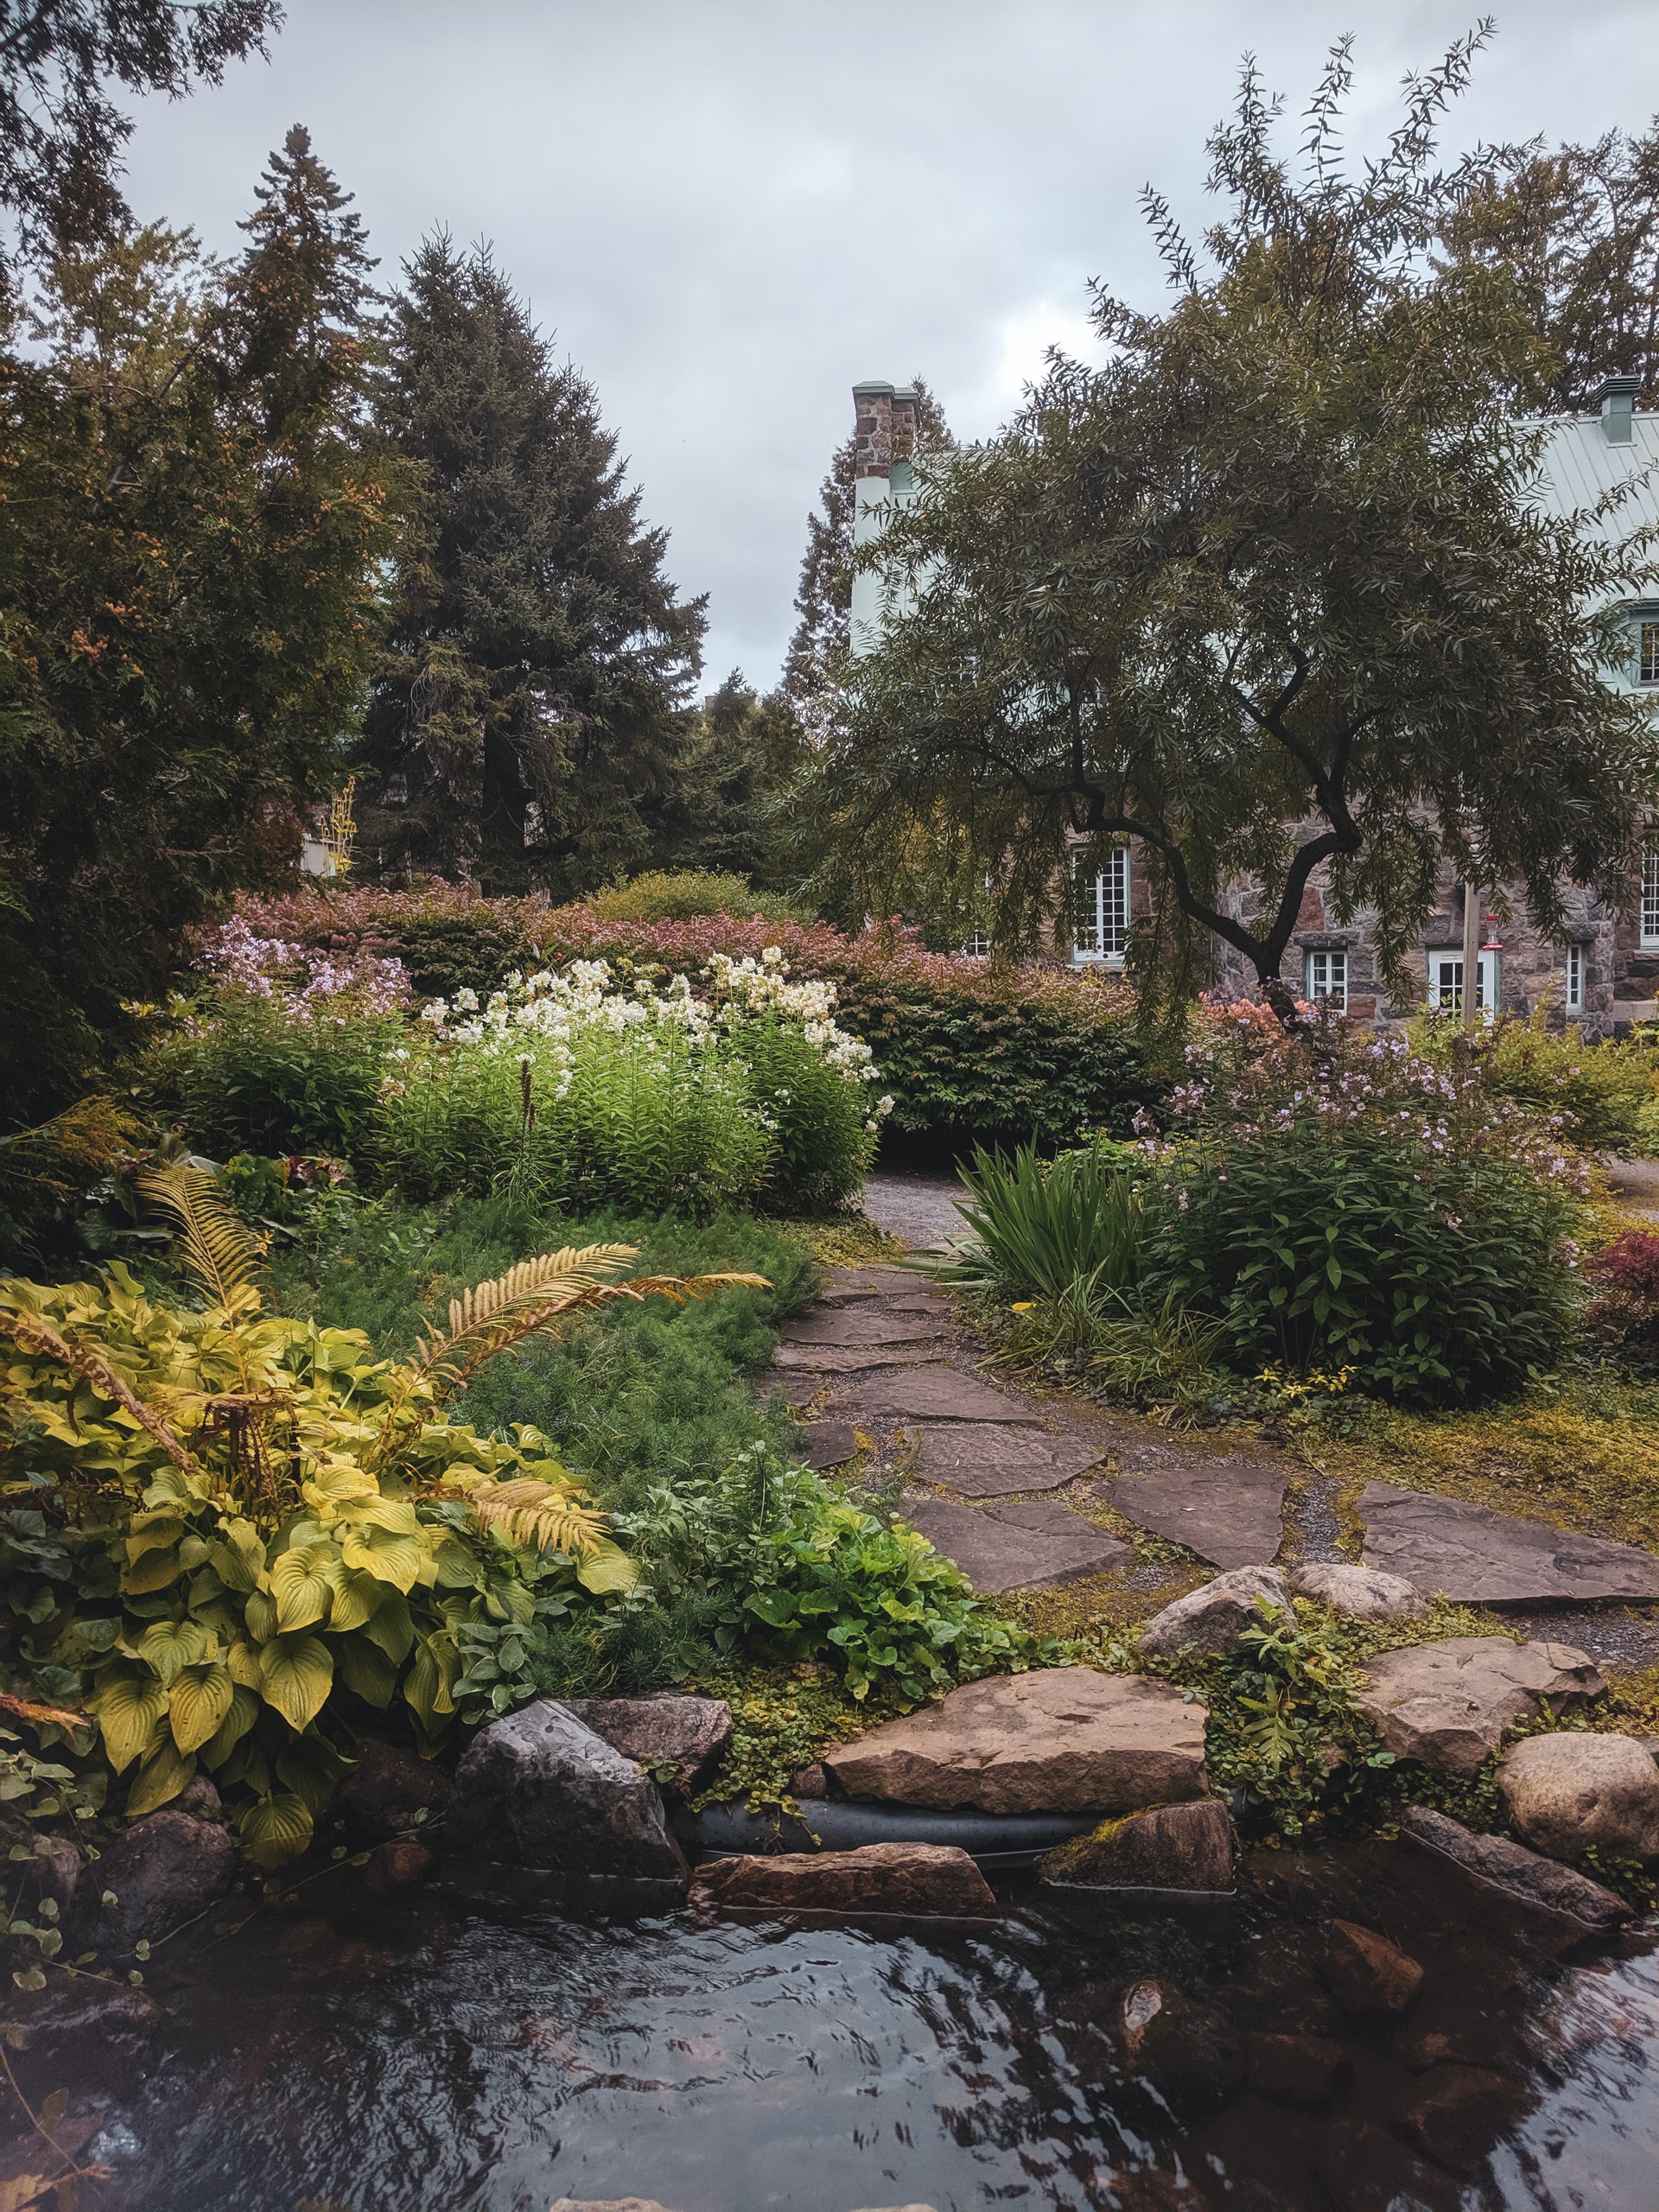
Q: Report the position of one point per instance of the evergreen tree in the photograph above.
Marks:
(815, 672)
(188, 571)
(528, 712)
(731, 812)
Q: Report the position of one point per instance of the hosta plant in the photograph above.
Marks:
(249, 1522)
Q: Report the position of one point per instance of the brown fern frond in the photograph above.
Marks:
(555, 1276)
(539, 1515)
(36, 1335)
(219, 1250)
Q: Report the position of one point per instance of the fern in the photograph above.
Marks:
(34, 1335)
(538, 1514)
(218, 1250)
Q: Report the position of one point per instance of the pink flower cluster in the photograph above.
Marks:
(306, 982)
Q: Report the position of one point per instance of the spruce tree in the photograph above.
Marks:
(528, 712)
(730, 811)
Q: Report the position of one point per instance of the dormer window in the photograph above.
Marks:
(1647, 653)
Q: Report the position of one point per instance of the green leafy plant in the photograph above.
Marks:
(1600, 1091)
(678, 895)
(1068, 1228)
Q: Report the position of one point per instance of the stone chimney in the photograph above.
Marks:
(884, 427)
(884, 438)
(1617, 397)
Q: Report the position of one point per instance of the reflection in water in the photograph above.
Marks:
(413, 2057)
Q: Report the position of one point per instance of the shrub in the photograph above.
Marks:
(1063, 1229)
(46, 1172)
(1603, 1090)
(677, 896)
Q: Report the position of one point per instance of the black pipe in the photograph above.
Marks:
(1007, 1840)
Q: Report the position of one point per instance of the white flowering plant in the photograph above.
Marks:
(587, 1085)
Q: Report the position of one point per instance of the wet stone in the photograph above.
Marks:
(1187, 1846)
(859, 1326)
(837, 1359)
(389, 1790)
(829, 1443)
(903, 1878)
(1308, 2071)
(1229, 1512)
(1459, 2114)
(991, 1459)
(1032, 1546)
(1515, 1872)
(1370, 1977)
(937, 1393)
(1474, 1556)
(1447, 1704)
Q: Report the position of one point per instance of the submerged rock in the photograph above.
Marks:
(1209, 1623)
(81, 2027)
(541, 1790)
(1361, 1592)
(165, 1870)
(396, 1867)
(687, 1734)
(1308, 2071)
(1369, 1976)
(1460, 2114)
(389, 1790)
(1517, 1873)
(1059, 1739)
(1448, 1704)
(1567, 1793)
(1187, 1846)
(199, 1799)
(907, 1877)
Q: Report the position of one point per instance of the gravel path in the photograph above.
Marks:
(920, 1208)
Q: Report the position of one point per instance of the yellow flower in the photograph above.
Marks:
(1027, 1306)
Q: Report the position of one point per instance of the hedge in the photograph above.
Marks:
(969, 1051)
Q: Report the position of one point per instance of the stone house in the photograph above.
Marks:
(1603, 973)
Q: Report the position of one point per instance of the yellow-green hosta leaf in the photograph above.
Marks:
(367, 1669)
(310, 1767)
(162, 1774)
(453, 1566)
(168, 1645)
(244, 1663)
(275, 1829)
(402, 1561)
(426, 1685)
(607, 1570)
(152, 1532)
(153, 1572)
(392, 1627)
(239, 1555)
(303, 1581)
(357, 1600)
(295, 1675)
(260, 1614)
(243, 1712)
(395, 1515)
(127, 1709)
(198, 1703)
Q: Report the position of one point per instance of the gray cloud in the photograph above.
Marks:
(729, 211)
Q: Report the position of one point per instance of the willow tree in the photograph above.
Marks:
(1267, 594)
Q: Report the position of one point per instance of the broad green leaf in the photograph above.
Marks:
(199, 1701)
(392, 1627)
(302, 1582)
(161, 1777)
(357, 1600)
(367, 1669)
(426, 1685)
(240, 1556)
(153, 1572)
(168, 1645)
(296, 1674)
(607, 1570)
(261, 1616)
(396, 1559)
(128, 1709)
(243, 1712)
(275, 1830)
(310, 1767)
(244, 1663)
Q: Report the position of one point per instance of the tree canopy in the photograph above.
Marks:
(1267, 593)
(528, 707)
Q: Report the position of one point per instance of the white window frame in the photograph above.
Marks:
(1102, 908)
(1647, 654)
(1324, 976)
(1573, 979)
(978, 946)
(1445, 981)
(1650, 893)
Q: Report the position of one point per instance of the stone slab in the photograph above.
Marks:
(1498, 1863)
(838, 1359)
(993, 1459)
(1229, 1511)
(829, 1443)
(907, 1877)
(860, 1283)
(1058, 1739)
(1035, 1545)
(1448, 1703)
(798, 1389)
(1477, 1557)
(927, 1394)
(857, 1325)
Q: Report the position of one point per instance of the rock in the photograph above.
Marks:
(1519, 1874)
(1227, 1510)
(1210, 1621)
(836, 1359)
(829, 1443)
(396, 1867)
(55, 1872)
(852, 1285)
(1368, 1975)
(1192, 2055)
(1362, 2168)
(1361, 1593)
(991, 1459)
(165, 1870)
(907, 1877)
(1478, 1557)
(809, 1782)
(931, 1394)
(1448, 1704)
(1187, 1846)
(387, 1791)
(607, 2204)
(1567, 1793)
(540, 1789)
(79, 2028)
(1309, 2071)
(1059, 1739)
(1035, 1545)
(856, 1326)
(199, 1799)
(687, 1734)
(1459, 2114)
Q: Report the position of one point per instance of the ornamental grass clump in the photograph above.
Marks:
(1340, 1200)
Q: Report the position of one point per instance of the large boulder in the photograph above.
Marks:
(678, 1739)
(1208, 1623)
(391, 1792)
(907, 1877)
(1567, 1793)
(1059, 1739)
(1448, 1704)
(539, 1790)
(1361, 1592)
(1187, 1846)
(165, 1870)
(1524, 1878)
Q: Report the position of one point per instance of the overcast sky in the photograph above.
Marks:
(729, 212)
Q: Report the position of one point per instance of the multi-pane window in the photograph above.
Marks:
(978, 946)
(1101, 902)
(1572, 996)
(1648, 655)
(1326, 976)
(1446, 982)
(1650, 892)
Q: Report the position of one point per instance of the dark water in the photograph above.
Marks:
(424, 2057)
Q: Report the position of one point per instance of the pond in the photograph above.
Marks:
(416, 2056)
